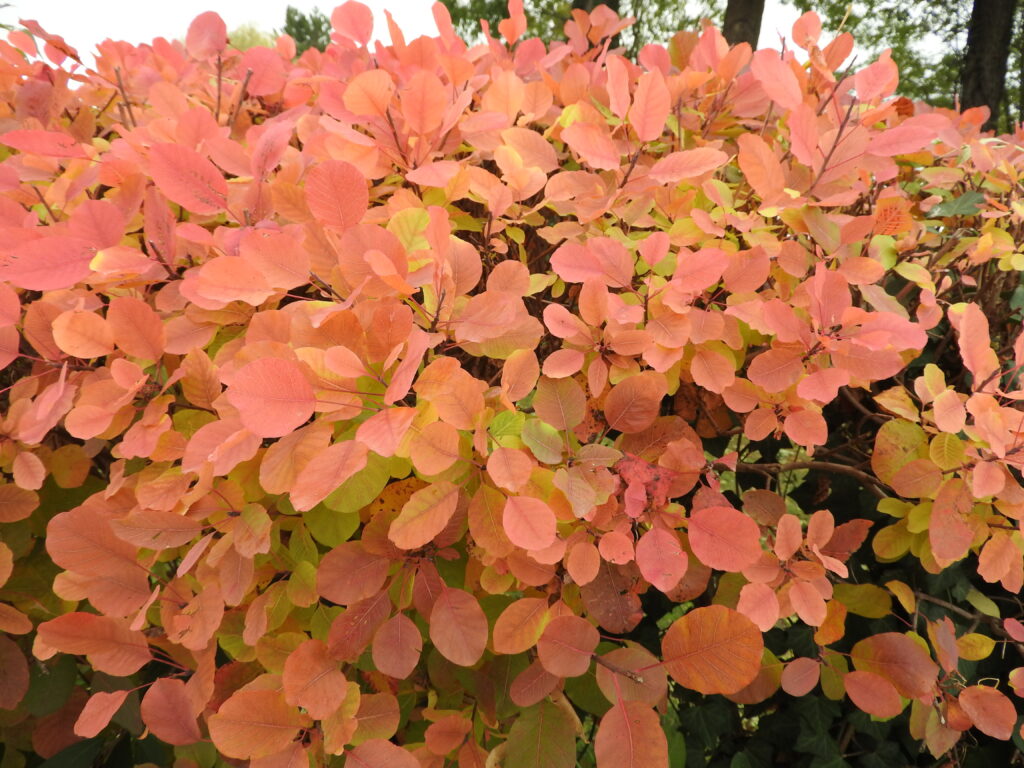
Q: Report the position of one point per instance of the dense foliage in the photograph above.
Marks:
(514, 405)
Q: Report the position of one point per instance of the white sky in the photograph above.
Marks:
(84, 24)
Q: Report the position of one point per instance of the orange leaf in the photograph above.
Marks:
(760, 166)
(110, 646)
(593, 144)
(630, 736)
(713, 650)
(651, 106)
(529, 523)
(98, 711)
(777, 78)
(560, 402)
(254, 723)
(632, 405)
(424, 515)
(724, 538)
(616, 686)
(326, 472)
(336, 193)
(16, 503)
(83, 334)
(458, 627)
(378, 753)
(990, 710)
(136, 327)
(566, 646)
(873, 694)
(424, 102)
(369, 93)
(313, 681)
(520, 625)
(168, 711)
(273, 396)
(661, 558)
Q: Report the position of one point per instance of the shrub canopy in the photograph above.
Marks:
(517, 404)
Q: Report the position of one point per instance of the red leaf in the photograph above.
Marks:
(349, 573)
(900, 660)
(47, 263)
(188, 179)
(630, 736)
(397, 646)
(724, 538)
(336, 193)
(313, 681)
(458, 627)
(688, 164)
(207, 36)
(800, 676)
(354, 21)
(13, 674)
(713, 650)
(47, 143)
(98, 711)
(273, 396)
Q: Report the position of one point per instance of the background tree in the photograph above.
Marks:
(742, 23)
(249, 36)
(308, 30)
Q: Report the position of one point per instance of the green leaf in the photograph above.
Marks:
(544, 736)
(967, 204)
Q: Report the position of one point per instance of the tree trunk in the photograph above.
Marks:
(983, 80)
(589, 5)
(743, 21)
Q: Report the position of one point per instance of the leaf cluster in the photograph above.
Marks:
(515, 403)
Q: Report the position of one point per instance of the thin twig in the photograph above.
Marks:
(220, 75)
(160, 257)
(241, 98)
(46, 205)
(636, 677)
(124, 97)
(827, 466)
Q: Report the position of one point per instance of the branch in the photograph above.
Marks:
(870, 481)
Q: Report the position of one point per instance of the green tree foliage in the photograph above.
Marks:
(308, 30)
(249, 36)
(656, 20)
